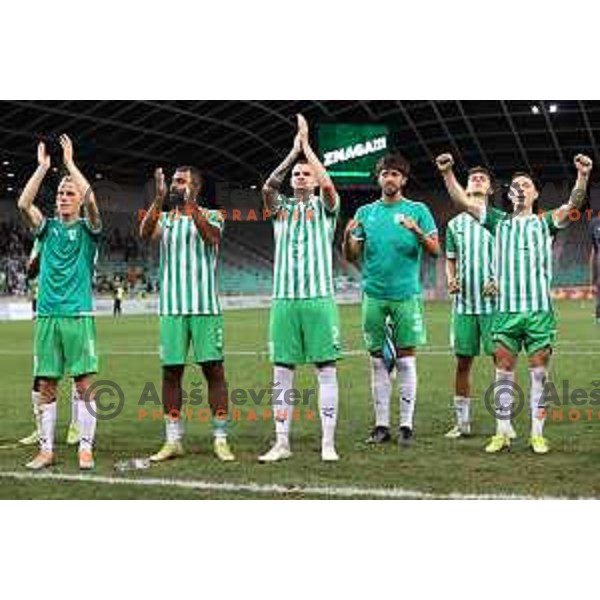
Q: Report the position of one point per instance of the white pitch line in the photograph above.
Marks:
(443, 351)
(273, 489)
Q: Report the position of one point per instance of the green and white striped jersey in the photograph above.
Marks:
(304, 233)
(523, 254)
(188, 267)
(472, 246)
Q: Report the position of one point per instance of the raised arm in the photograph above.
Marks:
(328, 191)
(89, 198)
(271, 188)
(150, 227)
(31, 213)
(445, 162)
(583, 164)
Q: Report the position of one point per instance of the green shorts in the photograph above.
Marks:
(304, 331)
(64, 345)
(406, 320)
(533, 331)
(204, 331)
(469, 333)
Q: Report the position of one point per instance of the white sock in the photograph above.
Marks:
(47, 425)
(503, 397)
(282, 411)
(35, 405)
(462, 407)
(536, 400)
(173, 429)
(181, 426)
(381, 389)
(328, 404)
(86, 414)
(74, 404)
(407, 371)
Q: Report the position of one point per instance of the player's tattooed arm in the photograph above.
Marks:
(85, 189)
(584, 165)
(459, 196)
(351, 246)
(150, 227)
(328, 190)
(270, 190)
(31, 213)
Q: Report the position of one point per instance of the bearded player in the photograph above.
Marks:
(190, 312)
(525, 317)
(390, 236)
(65, 332)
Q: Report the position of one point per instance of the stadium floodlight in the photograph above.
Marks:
(9, 189)
(553, 108)
(98, 176)
(5, 162)
(10, 174)
(535, 109)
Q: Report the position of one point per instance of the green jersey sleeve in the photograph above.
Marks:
(40, 232)
(491, 217)
(216, 219)
(551, 217)
(426, 221)
(95, 231)
(35, 251)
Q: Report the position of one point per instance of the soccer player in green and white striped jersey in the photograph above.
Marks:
(472, 283)
(189, 304)
(304, 324)
(525, 318)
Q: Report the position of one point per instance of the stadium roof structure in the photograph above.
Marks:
(241, 141)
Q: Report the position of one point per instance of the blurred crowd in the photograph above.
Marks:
(15, 245)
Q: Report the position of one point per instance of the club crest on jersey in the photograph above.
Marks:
(72, 235)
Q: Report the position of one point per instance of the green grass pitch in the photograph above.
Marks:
(128, 354)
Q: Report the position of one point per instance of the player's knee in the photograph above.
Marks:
(504, 359)
(214, 370)
(172, 374)
(48, 389)
(82, 385)
(464, 364)
(540, 359)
